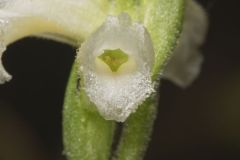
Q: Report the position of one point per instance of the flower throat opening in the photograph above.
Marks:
(114, 58)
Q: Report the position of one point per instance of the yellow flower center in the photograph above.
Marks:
(114, 58)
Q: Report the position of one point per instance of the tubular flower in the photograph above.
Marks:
(117, 85)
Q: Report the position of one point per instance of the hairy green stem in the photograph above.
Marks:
(137, 132)
(163, 20)
(87, 136)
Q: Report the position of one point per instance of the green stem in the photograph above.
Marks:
(87, 136)
(137, 131)
(163, 19)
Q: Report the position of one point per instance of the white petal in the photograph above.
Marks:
(61, 20)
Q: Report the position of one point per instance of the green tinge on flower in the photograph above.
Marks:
(118, 93)
(114, 59)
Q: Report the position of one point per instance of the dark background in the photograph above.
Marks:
(201, 122)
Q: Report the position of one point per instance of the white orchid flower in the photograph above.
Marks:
(116, 61)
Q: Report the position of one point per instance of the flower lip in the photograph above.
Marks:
(118, 94)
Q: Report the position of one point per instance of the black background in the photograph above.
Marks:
(201, 122)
